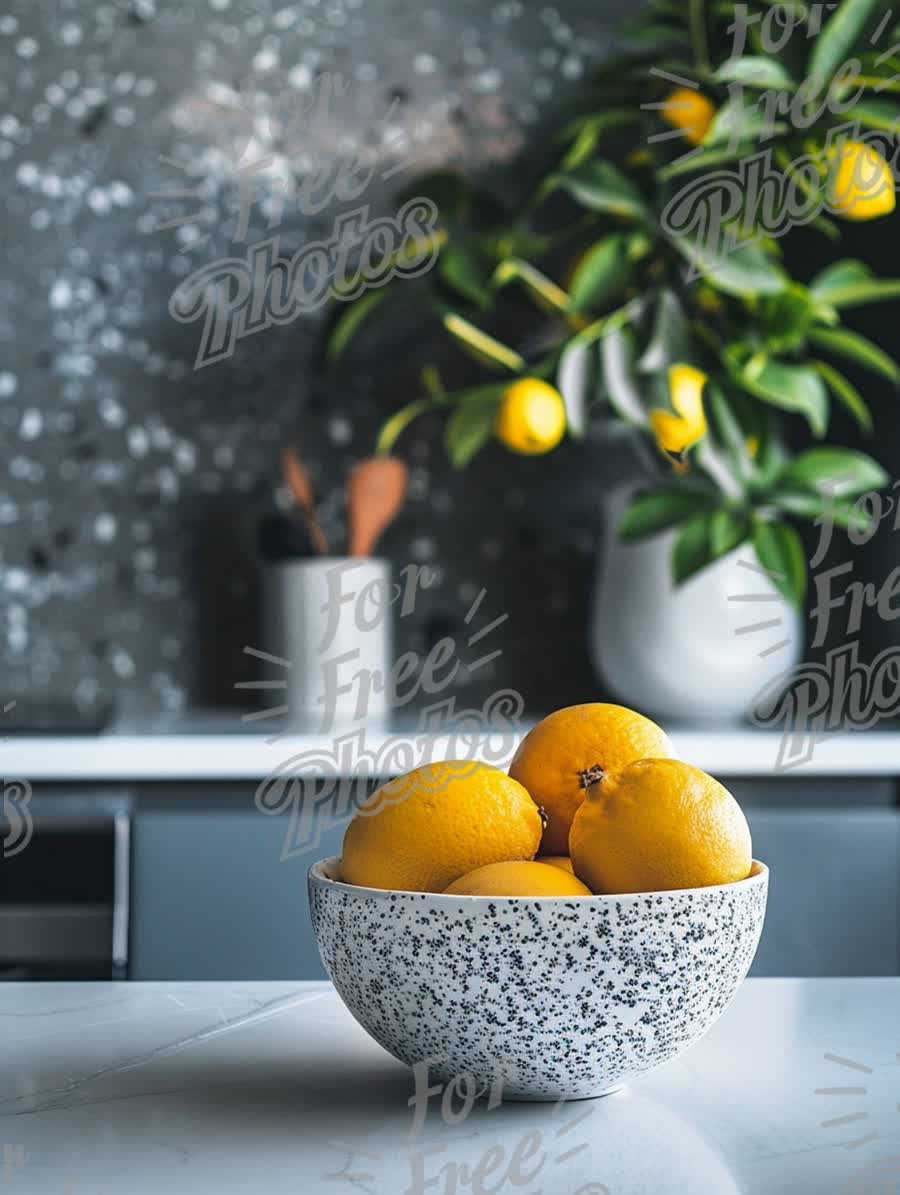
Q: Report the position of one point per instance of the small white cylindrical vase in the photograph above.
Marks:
(700, 651)
(330, 620)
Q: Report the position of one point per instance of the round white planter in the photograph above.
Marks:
(700, 651)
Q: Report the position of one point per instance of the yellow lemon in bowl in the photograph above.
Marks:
(571, 749)
(424, 829)
(561, 861)
(659, 825)
(518, 879)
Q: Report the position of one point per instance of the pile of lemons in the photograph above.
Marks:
(594, 802)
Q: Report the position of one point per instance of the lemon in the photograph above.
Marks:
(562, 861)
(660, 824)
(689, 111)
(532, 418)
(518, 879)
(425, 829)
(572, 748)
(860, 184)
(676, 433)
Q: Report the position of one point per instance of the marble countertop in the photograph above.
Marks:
(226, 745)
(239, 1087)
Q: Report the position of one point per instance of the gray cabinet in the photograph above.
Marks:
(833, 891)
(211, 898)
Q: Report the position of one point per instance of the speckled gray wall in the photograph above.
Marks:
(132, 483)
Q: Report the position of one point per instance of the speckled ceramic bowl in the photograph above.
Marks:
(565, 997)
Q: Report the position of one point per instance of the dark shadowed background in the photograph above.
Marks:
(132, 484)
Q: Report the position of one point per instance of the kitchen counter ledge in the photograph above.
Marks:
(225, 746)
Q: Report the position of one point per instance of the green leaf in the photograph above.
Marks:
(837, 277)
(835, 43)
(692, 550)
(771, 455)
(796, 388)
(584, 134)
(601, 187)
(392, 428)
(813, 506)
(658, 510)
(747, 271)
(846, 393)
(876, 291)
(727, 529)
(617, 353)
(465, 270)
(348, 322)
(582, 147)
(468, 430)
(738, 121)
(482, 347)
(845, 343)
(876, 114)
(669, 340)
(687, 163)
(485, 392)
(543, 289)
(879, 70)
(780, 553)
(848, 472)
(728, 429)
(601, 275)
(755, 71)
(575, 381)
(788, 315)
(848, 283)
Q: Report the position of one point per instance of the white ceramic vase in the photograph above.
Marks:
(330, 618)
(702, 651)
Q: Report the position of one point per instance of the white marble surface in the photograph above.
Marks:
(214, 1089)
(221, 745)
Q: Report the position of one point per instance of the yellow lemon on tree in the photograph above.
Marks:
(660, 824)
(860, 183)
(676, 433)
(518, 879)
(531, 418)
(561, 861)
(573, 748)
(426, 828)
(689, 111)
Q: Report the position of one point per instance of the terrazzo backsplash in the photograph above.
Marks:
(142, 141)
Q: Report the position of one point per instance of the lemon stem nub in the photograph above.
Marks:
(590, 776)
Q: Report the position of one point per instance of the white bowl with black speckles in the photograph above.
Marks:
(564, 997)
